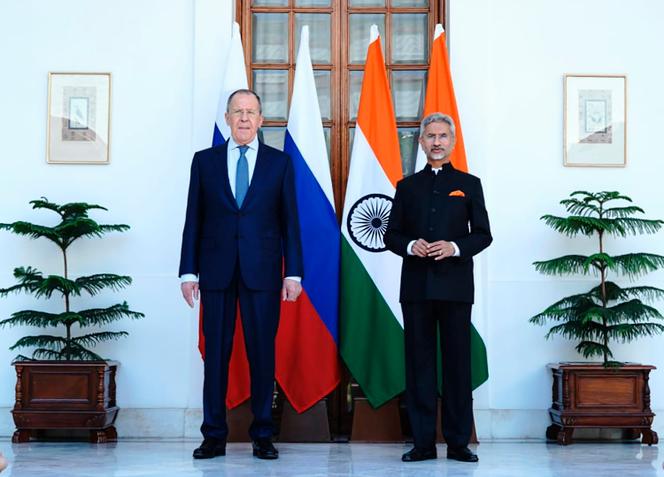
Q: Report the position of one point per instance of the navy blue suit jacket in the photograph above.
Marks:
(218, 235)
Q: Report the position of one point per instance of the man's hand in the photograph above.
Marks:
(440, 249)
(420, 248)
(290, 290)
(189, 292)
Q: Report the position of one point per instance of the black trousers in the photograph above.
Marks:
(260, 319)
(420, 322)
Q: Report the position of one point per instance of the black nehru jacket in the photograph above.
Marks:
(447, 206)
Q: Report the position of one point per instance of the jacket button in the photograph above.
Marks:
(433, 210)
(430, 229)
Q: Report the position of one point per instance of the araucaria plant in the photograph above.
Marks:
(74, 224)
(608, 312)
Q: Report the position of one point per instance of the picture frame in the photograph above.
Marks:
(79, 118)
(595, 120)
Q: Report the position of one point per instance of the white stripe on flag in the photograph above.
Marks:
(304, 124)
(235, 77)
(366, 176)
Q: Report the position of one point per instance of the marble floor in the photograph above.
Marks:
(129, 458)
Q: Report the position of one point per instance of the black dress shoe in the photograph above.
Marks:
(416, 455)
(210, 448)
(463, 454)
(264, 449)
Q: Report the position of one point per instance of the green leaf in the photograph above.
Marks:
(599, 261)
(633, 311)
(44, 341)
(101, 316)
(95, 283)
(636, 264)
(75, 351)
(75, 223)
(44, 203)
(94, 338)
(615, 292)
(46, 353)
(573, 302)
(65, 210)
(33, 231)
(32, 281)
(75, 228)
(578, 207)
(590, 349)
(626, 332)
(624, 226)
(625, 211)
(565, 265)
(571, 226)
(576, 329)
(40, 319)
(644, 292)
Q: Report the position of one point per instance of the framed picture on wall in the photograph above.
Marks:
(79, 118)
(595, 120)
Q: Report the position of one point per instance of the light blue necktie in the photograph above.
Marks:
(241, 176)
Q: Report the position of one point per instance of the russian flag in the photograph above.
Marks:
(234, 78)
(307, 363)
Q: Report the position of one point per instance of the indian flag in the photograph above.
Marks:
(440, 98)
(371, 325)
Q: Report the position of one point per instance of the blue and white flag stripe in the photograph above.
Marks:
(305, 143)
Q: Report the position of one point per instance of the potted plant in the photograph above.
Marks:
(64, 384)
(607, 394)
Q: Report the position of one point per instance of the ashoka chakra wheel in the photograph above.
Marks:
(367, 221)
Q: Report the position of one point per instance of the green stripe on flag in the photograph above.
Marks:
(479, 367)
(371, 338)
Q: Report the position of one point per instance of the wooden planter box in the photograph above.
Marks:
(65, 395)
(588, 395)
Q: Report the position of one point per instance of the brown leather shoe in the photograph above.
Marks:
(210, 448)
(463, 454)
(416, 455)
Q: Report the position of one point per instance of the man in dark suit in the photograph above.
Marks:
(241, 227)
(437, 224)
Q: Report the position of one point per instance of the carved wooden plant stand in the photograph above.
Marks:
(588, 395)
(65, 395)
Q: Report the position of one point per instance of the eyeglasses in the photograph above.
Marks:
(251, 113)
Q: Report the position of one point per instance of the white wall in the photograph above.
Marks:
(508, 59)
(163, 56)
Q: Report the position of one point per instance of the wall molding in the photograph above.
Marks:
(184, 423)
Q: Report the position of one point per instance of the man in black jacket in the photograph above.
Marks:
(437, 224)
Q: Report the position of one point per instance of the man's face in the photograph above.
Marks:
(244, 118)
(437, 142)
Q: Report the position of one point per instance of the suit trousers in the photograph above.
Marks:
(260, 318)
(453, 322)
